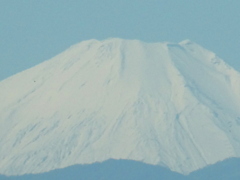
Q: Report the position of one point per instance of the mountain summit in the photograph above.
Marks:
(171, 104)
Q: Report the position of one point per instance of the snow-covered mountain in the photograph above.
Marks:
(172, 104)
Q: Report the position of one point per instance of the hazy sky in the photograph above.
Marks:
(32, 31)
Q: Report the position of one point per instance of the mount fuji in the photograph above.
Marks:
(175, 105)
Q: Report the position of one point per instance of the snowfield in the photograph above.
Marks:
(170, 104)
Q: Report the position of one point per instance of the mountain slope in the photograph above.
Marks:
(172, 104)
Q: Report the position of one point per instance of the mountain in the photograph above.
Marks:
(175, 105)
(131, 170)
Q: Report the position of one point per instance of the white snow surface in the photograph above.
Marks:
(171, 104)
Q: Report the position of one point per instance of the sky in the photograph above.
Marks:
(32, 31)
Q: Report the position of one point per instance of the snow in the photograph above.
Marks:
(172, 104)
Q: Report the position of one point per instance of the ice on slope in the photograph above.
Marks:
(176, 105)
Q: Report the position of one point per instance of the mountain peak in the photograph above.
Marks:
(186, 41)
(158, 103)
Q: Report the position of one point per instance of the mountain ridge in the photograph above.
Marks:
(129, 169)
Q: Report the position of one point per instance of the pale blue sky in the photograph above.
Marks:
(32, 31)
